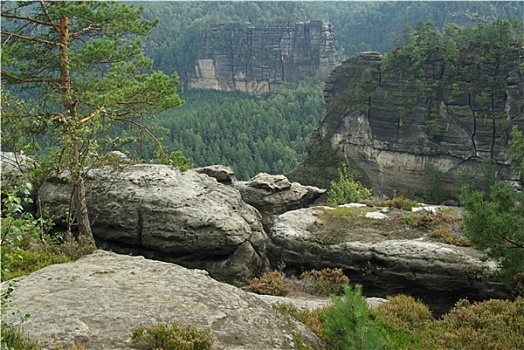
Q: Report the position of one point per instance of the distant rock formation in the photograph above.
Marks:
(389, 138)
(97, 301)
(257, 60)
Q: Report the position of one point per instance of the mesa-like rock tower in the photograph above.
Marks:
(389, 137)
(257, 60)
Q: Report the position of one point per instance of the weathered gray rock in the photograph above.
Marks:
(312, 303)
(222, 173)
(388, 137)
(257, 60)
(159, 212)
(97, 301)
(437, 273)
(275, 194)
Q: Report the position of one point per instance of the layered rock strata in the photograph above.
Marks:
(391, 136)
(257, 60)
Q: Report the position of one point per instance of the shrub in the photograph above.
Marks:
(492, 324)
(406, 321)
(311, 318)
(445, 235)
(30, 261)
(346, 189)
(494, 221)
(13, 339)
(326, 281)
(399, 203)
(172, 336)
(349, 324)
(271, 283)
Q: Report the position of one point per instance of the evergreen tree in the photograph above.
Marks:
(84, 66)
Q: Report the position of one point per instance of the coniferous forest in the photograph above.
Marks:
(271, 133)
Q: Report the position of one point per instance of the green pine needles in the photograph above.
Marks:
(346, 189)
(350, 324)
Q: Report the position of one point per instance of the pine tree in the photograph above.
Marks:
(83, 68)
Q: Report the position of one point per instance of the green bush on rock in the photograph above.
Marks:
(172, 336)
(346, 189)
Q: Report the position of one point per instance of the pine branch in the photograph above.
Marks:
(28, 38)
(30, 80)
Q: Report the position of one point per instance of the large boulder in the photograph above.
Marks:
(97, 301)
(273, 195)
(162, 213)
(435, 272)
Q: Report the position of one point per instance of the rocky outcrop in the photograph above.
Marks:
(273, 195)
(97, 301)
(159, 212)
(388, 129)
(257, 60)
(438, 273)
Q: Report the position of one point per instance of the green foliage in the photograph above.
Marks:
(433, 177)
(172, 336)
(350, 324)
(176, 159)
(492, 324)
(346, 189)
(326, 281)
(81, 70)
(248, 133)
(18, 227)
(359, 95)
(24, 262)
(406, 321)
(271, 283)
(178, 21)
(311, 318)
(400, 203)
(13, 339)
(517, 152)
(494, 221)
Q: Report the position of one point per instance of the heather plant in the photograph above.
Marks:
(492, 324)
(349, 324)
(172, 336)
(311, 318)
(326, 281)
(271, 283)
(406, 321)
(399, 203)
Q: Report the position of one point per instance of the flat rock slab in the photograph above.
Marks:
(97, 300)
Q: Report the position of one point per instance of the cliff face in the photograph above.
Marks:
(257, 60)
(389, 137)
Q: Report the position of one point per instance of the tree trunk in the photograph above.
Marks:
(82, 214)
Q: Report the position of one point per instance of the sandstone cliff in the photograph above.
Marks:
(256, 60)
(390, 136)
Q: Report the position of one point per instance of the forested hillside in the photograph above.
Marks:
(359, 26)
(270, 134)
(250, 134)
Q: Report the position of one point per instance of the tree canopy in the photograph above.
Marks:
(70, 71)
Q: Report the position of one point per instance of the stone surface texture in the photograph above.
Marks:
(97, 301)
(388, 143)
(274, 195)
(435, 272)
(186, 218)
(257, 60)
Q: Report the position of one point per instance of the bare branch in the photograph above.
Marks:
(86, 30)
(44, 9)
